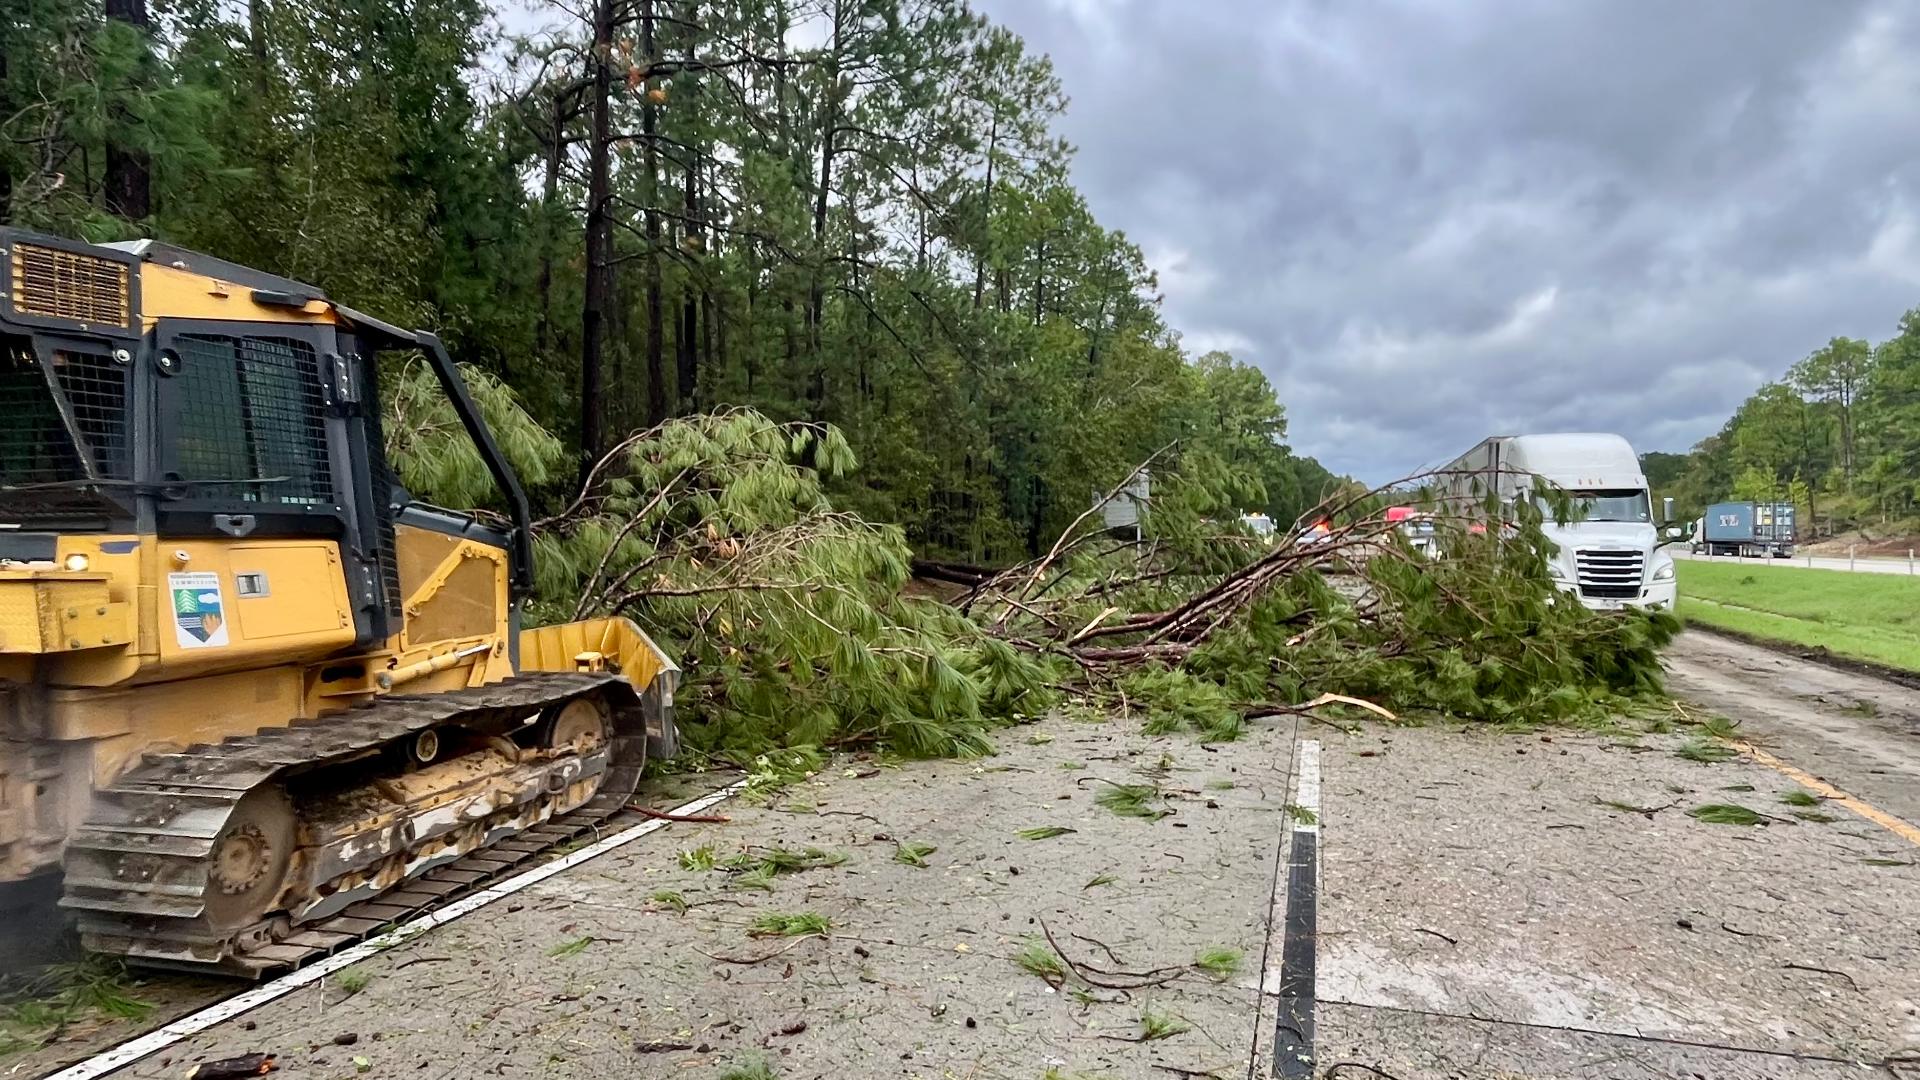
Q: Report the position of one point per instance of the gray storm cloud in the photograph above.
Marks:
(1428, 222)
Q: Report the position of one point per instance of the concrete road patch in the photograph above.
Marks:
(1366, 1043)
(1473, 876)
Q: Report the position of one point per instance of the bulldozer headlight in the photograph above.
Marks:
(77, 562)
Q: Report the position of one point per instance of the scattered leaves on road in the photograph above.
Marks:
(752, 1068)
(1705, 751)
(791, 924)
(1036, 957)
(913, 854)
(1726, 814)
(1220, 962)
(1043, 832)
(1133, 800)
(1156, 1025)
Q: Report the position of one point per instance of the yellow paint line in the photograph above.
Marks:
(1905, 830)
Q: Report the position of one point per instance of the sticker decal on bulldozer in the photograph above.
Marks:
(199, 621)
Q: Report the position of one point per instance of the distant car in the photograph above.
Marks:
(1417, 526)
(1260, 525)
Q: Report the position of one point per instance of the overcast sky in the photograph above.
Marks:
(1433, 221)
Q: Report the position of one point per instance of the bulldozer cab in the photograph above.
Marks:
(140, 405)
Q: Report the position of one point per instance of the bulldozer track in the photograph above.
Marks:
(137, 871)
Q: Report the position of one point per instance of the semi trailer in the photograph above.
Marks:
(1754, 530)
(1609, 554)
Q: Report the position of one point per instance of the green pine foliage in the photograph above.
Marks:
(1175, 699)
(1481, 634)
(716, 533)
(430, 452)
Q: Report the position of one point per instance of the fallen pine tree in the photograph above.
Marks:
(795, 627)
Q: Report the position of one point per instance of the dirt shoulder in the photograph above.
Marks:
(1865, 546)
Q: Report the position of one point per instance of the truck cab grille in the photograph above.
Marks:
(1609, 574)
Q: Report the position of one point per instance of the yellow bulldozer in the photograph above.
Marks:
(250, 688)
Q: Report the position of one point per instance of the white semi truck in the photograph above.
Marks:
(1611, 555)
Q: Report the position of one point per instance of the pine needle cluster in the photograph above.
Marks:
(788, 617)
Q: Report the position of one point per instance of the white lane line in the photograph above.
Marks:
(160, 1038)
(1307, 790)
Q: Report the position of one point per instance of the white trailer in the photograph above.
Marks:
(1610, 556)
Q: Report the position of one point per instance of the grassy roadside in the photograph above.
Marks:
(1873, 617)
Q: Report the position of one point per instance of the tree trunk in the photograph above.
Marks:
(1038, 517)
(1040, 284)
(713, 312)
(128, 183)
(920, 225)
(816, 286)
(260, 110)
(986, 214)
(686, 344)
(599, 283)
(751, 361)
(550, 193)
(1847, 394)
(710, 363)
(649, 122)
(6, 109)
(257, 47)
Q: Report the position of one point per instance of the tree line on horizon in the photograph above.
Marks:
(843, 211)
(1838, 435)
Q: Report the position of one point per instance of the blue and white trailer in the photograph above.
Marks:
(1755, 530)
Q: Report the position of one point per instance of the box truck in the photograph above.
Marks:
(1748, 529)
(1610, 555)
